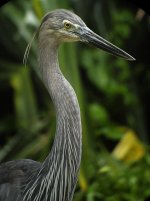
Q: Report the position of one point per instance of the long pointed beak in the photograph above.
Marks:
(99, 42)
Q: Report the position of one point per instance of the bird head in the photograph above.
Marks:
(64, 26)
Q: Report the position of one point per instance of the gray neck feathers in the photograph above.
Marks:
(58, 174)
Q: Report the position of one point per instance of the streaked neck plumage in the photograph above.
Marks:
(58, 174)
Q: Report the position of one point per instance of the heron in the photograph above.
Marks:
(55, 179)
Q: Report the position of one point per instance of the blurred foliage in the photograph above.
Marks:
(129, 149)
(113, 96)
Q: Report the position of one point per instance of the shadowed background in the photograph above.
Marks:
(113, 96)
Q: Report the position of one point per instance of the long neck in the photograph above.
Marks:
(59, 171)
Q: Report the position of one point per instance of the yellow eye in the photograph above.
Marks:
(67, 25)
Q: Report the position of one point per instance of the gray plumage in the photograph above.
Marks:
(55, 179)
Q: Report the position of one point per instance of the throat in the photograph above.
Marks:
(60, 169)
